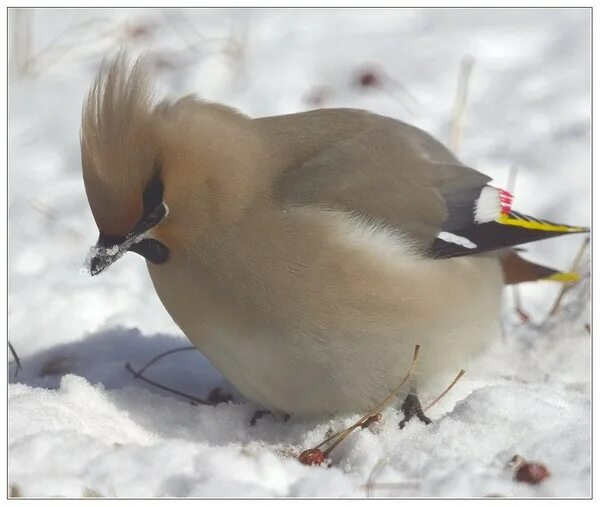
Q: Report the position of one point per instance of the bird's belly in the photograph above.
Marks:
(349, 376)
(302, 372)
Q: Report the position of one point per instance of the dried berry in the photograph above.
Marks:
(139, 31)
(532, 473)
(312, 457)
(368, 79)
(523, 316)
(318, 96)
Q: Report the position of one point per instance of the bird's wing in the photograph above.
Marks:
(390, 176)
(400, 176)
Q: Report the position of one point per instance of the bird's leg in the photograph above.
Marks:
(260, 413)
(411, 407)
(365, 421)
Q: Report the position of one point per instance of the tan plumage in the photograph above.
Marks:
(297, 245)
(118, 148)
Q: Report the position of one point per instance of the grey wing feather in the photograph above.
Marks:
(393, 173)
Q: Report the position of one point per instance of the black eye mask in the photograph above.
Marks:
(153, 194)
(109, 248)
(154, 211)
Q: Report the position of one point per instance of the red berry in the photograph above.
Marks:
(312, 457)
(523, 316)
(532, 473)
(139, 31)
(368, 79)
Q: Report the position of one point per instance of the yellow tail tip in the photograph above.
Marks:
(532, 223)
(566, 277)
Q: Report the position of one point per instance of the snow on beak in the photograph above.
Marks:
(109, 249)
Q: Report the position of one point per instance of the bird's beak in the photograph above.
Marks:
(108, 249)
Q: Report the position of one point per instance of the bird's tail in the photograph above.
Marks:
(516, 269)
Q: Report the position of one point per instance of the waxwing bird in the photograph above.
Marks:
(307, 254)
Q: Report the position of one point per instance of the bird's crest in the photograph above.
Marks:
(117, 142)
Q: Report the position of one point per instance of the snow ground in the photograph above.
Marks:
(79, 425)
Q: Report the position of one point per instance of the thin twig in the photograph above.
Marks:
(402, 87)
(452, 384)
(396, 99)
(394, 393)
(164, 354)
(345, 433)
(516, 297)
(516, 291)
(380, 464)
(17, 360)
(176, 19)
(165, 388)
(512, 179)
(460, 102)
(565, 286)
(372, 412)
(53, 45)
(329, 439)
(22, 37)
(523, 315)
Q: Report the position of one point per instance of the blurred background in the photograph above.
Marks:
(505, 88)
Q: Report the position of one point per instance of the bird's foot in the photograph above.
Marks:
(411, 407)
(217, 395)
(260, 413)
(315, 456)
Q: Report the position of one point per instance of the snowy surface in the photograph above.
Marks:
(80, 425)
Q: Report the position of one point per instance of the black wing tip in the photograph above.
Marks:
(509, 230)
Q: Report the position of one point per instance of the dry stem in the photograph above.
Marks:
(138, 375)
(17, 360)
(566, 285)
(460, 101)
(342, 435)
(523, 316)
(161, 355)
(452, 384)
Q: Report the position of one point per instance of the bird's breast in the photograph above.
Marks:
(315, 367)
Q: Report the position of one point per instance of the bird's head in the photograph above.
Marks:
(159, 175)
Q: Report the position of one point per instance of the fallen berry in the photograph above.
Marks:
(368, 79)
(532, 473)
(312, 457)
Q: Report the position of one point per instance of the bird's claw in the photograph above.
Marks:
(411, 407)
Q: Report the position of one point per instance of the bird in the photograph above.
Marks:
(305, 255)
